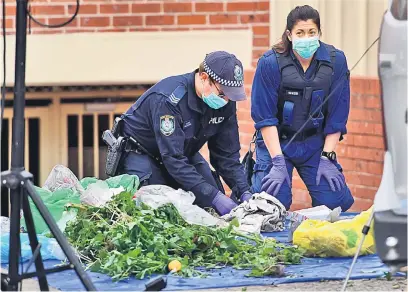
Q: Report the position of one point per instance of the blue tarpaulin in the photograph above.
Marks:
(311, 269)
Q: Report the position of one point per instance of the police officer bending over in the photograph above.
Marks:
(175, 118)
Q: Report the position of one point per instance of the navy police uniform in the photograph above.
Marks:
(285, 96)
(173, 123)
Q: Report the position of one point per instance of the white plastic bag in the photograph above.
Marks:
(5, 224)
(98, 194)
(158, 195)
(62, 177)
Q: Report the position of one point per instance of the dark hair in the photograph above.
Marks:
(304, 13)
(201, 70)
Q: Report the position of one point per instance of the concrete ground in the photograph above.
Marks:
(395, 284)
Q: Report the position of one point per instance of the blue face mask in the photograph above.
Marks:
(306, 47)
(214, 101)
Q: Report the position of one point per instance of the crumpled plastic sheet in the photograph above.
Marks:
(98, 194)
(158, 195)
(5, 224)
(262, 213)
(61, 177)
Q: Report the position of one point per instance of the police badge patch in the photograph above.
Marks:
(238, 74)
(167, 125)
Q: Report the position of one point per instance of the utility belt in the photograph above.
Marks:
(301, 136)
(118, 145)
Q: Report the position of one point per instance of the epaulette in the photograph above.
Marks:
(175, 97)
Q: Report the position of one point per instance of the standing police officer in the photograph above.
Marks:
(290, 85)
(176, 117)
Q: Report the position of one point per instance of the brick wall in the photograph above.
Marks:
(361, 153)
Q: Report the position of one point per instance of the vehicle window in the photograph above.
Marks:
(399, 9)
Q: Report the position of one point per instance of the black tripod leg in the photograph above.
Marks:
(66, 248)
(14, 256)
(39, 266)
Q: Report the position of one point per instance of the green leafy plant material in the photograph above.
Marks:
(121, 239)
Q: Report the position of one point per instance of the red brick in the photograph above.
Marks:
(9, 23)
(160, 20)
(47, 10)
(83, 9)
(178, 7)
(249, 75)
(127, 20)
(360, 205)
(248, 6)
(10, 10)
(144, 29)
(112, 30)
(60, 20)
(357, 114)
(223, 18)
(246, 127)
(243, 114)
(362, 127)
(209, 7)
(356, 101)
(47, 31)
(191, 19)
(114, 8)
(365, 85)
(32, 24)
(373, 86)
(364, 192)
(257, 54)
(175, 28)
(97, 21)
(364, 141)
(362, 179)
(372, 102)
(260, 30)
(254, 18)
(146, 8)
(76, 30)
(365, 153)
(260, 42)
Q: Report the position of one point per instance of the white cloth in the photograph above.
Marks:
(262, 213)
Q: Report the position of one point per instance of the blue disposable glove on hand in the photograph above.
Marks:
(246, 196)
(223, 204)
(330, 172)
(272, 182)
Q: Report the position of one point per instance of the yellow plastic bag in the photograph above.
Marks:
(338, 239)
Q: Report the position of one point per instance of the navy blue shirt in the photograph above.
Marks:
(170, 120)
(267, 79)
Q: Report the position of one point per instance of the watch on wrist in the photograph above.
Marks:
(330, 155)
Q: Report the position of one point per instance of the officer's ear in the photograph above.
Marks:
(288, 35)
(204, 76)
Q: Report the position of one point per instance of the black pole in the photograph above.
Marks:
(17, 151)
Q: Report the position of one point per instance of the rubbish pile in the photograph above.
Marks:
(122, 239)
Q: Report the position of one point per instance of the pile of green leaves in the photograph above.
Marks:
(121, 239)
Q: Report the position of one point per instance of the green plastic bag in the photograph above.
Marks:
(55, 203)
(129, 182)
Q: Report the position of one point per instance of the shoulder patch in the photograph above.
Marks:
(167, 125)
(175, 97)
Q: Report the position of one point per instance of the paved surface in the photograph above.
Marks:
(396, 284)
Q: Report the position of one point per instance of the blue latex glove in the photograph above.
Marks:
(272, 182)
(223, 204)
(331, 173)
(246, 196)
